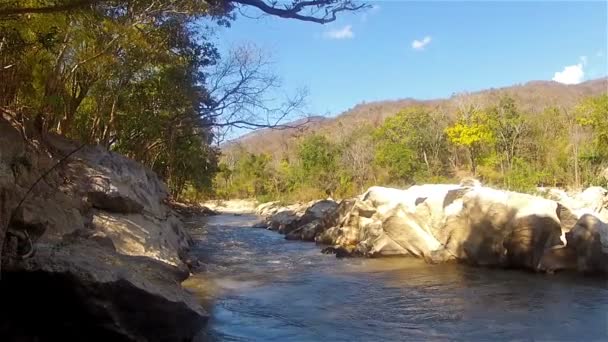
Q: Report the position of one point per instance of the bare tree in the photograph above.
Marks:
(244, 94)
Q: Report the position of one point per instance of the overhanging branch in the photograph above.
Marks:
(299, 8)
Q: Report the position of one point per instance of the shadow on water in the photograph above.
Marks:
(260, 287)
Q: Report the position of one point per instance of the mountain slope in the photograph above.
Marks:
(531, 97)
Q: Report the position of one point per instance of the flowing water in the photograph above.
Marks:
(260, 287)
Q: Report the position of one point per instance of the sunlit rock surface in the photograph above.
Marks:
(96, 224)
(463, 222)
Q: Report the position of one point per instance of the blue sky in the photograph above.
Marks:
(429, 49)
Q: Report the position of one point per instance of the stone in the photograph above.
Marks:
(589, 239)
(101, 296)
(105, 247)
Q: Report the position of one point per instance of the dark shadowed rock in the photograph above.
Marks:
(83, 291)
(589, 239)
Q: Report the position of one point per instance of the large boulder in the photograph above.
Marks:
(502, 228)
(85, 291)
(98, 224)
(589, 239)
(400, 232)
(468, 223)
(593, 200)
(300, 221)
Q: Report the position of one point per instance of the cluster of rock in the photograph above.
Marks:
(92, 252)
(465, 222)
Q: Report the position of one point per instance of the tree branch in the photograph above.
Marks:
(332, 7)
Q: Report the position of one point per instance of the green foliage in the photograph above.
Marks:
(128, 79)
(411, 145)
(472, 131)
(593, 113)
(504, 146)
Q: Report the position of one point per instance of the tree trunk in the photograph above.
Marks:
(472, 156)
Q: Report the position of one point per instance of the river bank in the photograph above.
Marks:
(92, 248)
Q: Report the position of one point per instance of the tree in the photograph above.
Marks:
(318, 161)
(472, 131)
(592, 117)
(508, 128)
(138, 77)
(593, 113)
(412, 141)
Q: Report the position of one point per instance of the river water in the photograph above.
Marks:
(260, 287)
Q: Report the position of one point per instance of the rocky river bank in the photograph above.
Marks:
(92, 248)
(466, 223)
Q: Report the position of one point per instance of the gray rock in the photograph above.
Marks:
(589, 239)
(107, 250)
(101, 296)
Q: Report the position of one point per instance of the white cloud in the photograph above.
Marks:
(572, 74)
(344, 33)
(420, 44)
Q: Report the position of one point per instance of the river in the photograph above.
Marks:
(260, 287)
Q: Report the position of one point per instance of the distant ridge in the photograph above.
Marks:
(532, 97)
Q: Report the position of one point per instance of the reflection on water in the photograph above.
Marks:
(260, 287)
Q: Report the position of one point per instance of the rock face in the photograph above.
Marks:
(589, 240)
(297, 221)
(97, 231)
(464, 222)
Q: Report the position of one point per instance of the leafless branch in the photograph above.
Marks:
(244, 91)
(317, 11)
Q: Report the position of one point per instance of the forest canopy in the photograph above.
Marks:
(142, 77)
(501, 144)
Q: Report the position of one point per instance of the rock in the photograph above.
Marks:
(318, 211)
(118, 184)
(593, 200)
(284, 222)
(439, 223)
(341, 251)
(98, 225)
(108, 198)
(501, 228)
(289, 219)
(407, 235)
(261, 224)
(101, 296)
(163, 240)
(306, 232)
(384, 199)
(268, 209)
(589, 239)
(558, 258)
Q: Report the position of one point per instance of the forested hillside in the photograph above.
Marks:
(520, 137)
(143, 78)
